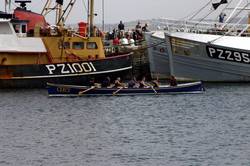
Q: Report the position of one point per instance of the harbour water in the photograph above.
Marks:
(210, 129)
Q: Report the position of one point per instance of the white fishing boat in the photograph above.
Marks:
(210, 51)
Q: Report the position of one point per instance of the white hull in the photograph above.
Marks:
(158, 56)
(195, 57)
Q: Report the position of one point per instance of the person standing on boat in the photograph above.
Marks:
(145, 28)
(138, 26)
(134, 35)
(121, 26)
(138, 31)
(222, 17)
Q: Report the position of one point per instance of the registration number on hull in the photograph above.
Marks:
(71, 68)
(228, 55)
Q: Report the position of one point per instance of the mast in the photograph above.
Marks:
(91, 17)
(103, 25)
(59, 11)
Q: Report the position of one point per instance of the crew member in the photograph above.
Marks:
(118, 83)
(142, 83)
(145, 28)
(172, 81)
(155, 83)
(133, 83)
(106, 82)
(121, 26)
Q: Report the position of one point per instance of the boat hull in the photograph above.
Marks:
(197, 59)
(58, 90)
(37, 75)
(158, 56)
(191, 60)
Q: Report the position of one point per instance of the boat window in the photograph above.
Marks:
(182, 47)
(78, 45)
(92, 45)
(66, 45)
(23, 28)
(5, 28)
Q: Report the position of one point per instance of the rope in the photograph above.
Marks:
(193, 14)
(204, 17)
(233, 12)
(200, 10)
(236, 15)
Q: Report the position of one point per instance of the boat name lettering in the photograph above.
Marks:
(69, 68)
(228, 55)
(63, 90)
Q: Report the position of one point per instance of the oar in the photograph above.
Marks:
(153, 89)
(114, 93)
(82, 92)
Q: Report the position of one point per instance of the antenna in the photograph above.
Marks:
(103, 12)
(23, 3)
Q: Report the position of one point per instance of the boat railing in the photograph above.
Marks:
(209, 27)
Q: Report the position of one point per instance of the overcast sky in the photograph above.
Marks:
(128, 10)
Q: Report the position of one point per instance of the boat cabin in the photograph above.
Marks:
(18, 50)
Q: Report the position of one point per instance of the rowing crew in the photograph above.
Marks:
(133, 83)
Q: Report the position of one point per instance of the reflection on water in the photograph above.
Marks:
(204, 129)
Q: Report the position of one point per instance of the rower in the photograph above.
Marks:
(118, 83)
(155, 83)
(133, 83)
(91, 82)
(106, 82)
(172, 81)
(142, 83)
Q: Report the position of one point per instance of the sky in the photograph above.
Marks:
(128, 10)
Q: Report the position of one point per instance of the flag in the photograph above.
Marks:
(59, 2)
(216, 5)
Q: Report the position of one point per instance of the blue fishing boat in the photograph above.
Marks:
(74, 90)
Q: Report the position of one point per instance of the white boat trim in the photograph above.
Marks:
(226, 41)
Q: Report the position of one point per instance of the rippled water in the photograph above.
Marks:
(180, 130)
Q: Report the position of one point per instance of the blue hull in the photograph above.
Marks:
(73, 90)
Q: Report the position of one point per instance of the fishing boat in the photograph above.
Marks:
(158, 55)
(34, 52)
(57, 90)
(209, 51)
